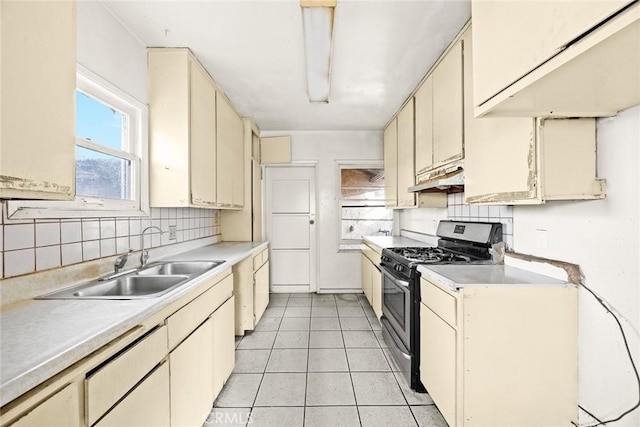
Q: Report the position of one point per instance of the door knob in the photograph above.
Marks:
(311, 222)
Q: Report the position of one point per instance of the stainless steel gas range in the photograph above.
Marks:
(459, 243)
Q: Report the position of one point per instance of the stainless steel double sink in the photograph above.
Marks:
(151, 281)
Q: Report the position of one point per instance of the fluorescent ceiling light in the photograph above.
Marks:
(318, 30)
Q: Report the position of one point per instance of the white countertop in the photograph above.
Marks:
(40, 338)
(462, 276)
(395, 241)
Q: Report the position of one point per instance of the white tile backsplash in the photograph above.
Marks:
(48, 257)
(71, 253)
(107, 228)
(90, 250)
(47, 234)
(71, 232)
(122, 227)
(90, 230)
(107, 247)
(19, 236)
(19, 262)
(27, 245)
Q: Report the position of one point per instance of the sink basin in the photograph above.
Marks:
(128, 287)
(189, 268)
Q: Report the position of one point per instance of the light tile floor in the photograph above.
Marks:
(318, 360)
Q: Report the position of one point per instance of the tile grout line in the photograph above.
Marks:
(353, 388)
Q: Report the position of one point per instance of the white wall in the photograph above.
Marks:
(108, 49)
(602, 237)
(339, 271)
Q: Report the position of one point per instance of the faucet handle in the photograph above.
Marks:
(121, 261)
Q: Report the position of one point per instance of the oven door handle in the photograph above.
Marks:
(395, 279)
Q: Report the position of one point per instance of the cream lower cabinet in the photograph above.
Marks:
(260, 291)
(38, 68)
(192, 385)
(500, 355)
(251, 288)
(146, 406)
(366, 277)
(60, 410)
(223, 345)
(372, 277)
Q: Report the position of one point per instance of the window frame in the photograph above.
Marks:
(137, 122)
(351, 245)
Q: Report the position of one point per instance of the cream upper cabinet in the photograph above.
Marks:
(406, 143)
(555, 58)
(38, 67)
(534, 155)
(424, 126)
(203, 137)
(196, 137)
(171, 111)
(275, 149)
(447, 108)
(245, 225)
(230, 171)
(391, 164)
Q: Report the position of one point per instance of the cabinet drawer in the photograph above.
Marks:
(371, 253)
(61, 409)
(185, 320)
(147, 405)
(443, 304)
(117, 377)
(260, 259)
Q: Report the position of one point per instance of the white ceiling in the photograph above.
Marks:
(254, 50)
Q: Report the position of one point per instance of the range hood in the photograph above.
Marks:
(452, 182)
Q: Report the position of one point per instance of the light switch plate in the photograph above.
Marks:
(172, 232)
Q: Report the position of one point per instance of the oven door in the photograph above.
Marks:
(396, 305)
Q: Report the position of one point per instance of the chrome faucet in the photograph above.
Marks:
(385, 232)
(144, 255)
(121, 261)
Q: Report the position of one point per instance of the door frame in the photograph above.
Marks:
(315, 259)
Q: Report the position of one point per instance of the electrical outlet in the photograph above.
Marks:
(172, 232)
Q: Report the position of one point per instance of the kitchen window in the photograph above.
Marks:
(362, 209)
(111, 155)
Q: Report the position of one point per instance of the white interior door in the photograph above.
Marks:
(290, 208)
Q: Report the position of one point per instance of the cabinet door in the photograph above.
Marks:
(223, 346)
(424, 125)
(168, 76)
(38, 67)
(406, 165)
(147, 405)
(438, 362)
(512, 140)
(448, 108)
(191, 365)
(61, 409)
(229, 145)
(366, 277)
(202, 137)
(376, 290)
(513, 38)
(391, 164)
(261, 292)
